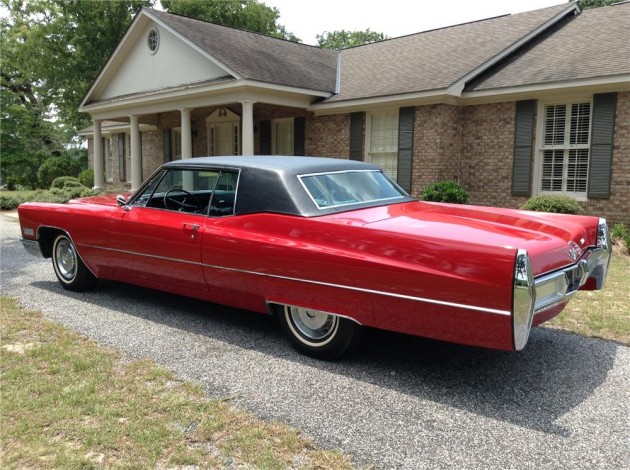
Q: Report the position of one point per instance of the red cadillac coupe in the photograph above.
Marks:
(328, 246)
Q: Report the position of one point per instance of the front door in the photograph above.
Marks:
(225, 139)
(158, 237)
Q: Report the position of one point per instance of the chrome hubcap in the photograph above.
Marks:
(313, 324)
(66, 259)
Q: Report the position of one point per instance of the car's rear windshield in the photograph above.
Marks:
(344, 188)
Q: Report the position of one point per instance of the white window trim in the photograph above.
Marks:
(368, 132)
(539, 141)
(274, 138)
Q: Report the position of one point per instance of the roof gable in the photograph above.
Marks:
(258, 57)
(435, 60)
(170, 65)
(589, 45)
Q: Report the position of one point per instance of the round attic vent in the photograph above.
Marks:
(153, 40)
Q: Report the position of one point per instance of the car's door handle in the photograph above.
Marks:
(193, 227)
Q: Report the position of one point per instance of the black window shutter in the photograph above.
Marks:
(265, 137)
(602, 140)
(166, 142)
(356, 135)
(122, 167)
(299, 130)
(406, 118)
(523, 148)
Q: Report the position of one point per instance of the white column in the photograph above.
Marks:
(99, 164)
(186, 133)
(136, 158)
(248, 127)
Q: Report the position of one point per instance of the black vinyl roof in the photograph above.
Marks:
(271, 183)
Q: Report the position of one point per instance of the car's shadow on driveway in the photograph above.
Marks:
(533, 388)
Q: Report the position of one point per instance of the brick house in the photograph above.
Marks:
(512, 106)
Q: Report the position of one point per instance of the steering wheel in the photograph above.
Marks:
(193, 206)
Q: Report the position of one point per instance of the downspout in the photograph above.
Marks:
(338, 76)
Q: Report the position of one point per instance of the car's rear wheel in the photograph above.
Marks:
(69, 269)
(319, 334)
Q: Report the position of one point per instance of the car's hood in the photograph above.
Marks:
(552, 240)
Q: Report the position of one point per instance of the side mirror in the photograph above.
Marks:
(122, 202)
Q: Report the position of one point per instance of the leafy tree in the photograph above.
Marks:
(250, 15)
(344, 39)
(51, 52)
(588, 4)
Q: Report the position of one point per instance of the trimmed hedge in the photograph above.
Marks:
(445, 191)
(63, 182)
(555, 204)
(10, 201)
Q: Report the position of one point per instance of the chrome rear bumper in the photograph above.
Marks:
(559, 286)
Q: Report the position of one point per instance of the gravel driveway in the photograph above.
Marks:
(398, 402)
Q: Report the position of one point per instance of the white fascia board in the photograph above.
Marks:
(118, 129)
(594, 85)
(457, 87)
(407, 99)
(202, 96)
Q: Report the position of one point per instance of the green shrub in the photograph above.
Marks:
(10, 201)
(55, 167)
(63, 182)
(621, 233)
(86, 178)
(445, 191)
(556, 204)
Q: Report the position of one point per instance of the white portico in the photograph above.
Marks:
(167, 66)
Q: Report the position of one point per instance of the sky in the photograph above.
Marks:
(394, 18)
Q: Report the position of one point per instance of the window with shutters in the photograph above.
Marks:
(282, 134)
(565, 149)
(382, 141)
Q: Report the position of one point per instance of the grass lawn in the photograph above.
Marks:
(67, 403)
(604, 313)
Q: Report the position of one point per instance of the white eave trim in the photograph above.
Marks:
(614, 82)
(431, 96)
(457, 87)
(118, 128)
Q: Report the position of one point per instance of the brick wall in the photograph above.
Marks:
(436, 146)
(328, 136)
(487, 150)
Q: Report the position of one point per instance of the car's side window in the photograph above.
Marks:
(194, 191)
(224, 195)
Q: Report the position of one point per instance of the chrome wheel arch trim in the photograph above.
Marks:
(64, 232)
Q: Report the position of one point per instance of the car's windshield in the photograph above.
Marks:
(350, 187)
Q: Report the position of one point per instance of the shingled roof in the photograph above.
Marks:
(435, 59)
(258, 57)
(594, 44)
